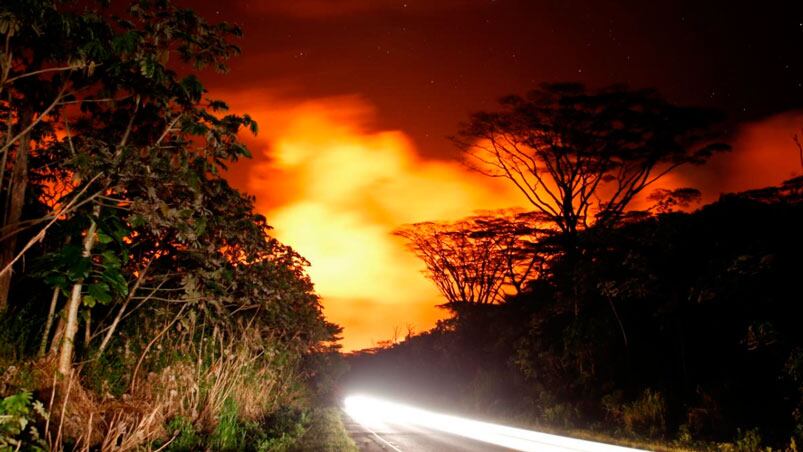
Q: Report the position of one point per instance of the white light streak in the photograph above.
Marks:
(373, 413)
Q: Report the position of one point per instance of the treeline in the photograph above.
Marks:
(607, 308)
(143, 301)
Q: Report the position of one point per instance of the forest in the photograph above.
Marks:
(144, 302)
(612, 309)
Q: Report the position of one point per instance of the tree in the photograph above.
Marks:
(524, 242)
(41, 68)
(477, 259)
(581, 156)
(465, 267)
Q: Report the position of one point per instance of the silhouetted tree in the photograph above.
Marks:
(476, 259)
(670, 200)
(580, 156)
(465, 266)
(522, 241)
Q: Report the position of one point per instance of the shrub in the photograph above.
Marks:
(646, 415)
(185, 437)
(746, 441)
(17, 418)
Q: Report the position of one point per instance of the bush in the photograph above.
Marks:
(186, 438)
(746, 441)
(646, 415)
(18, 414)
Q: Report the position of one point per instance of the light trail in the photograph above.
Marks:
(373, 413)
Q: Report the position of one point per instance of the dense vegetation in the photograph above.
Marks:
(653, 324)
(143, 301)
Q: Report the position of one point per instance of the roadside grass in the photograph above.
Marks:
(651, 445)
(326, 433)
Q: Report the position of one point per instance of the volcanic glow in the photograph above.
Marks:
(335, 190)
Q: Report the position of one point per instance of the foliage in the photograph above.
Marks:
(580, 155)
(185, 437)
(147, 266)
(325, 433)
(18, 415)
(477, 259)
(698, 307)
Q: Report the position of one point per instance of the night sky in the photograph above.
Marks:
(356, 100)
(426, 64)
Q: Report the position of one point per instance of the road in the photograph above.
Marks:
(407, 438)
(378, 424)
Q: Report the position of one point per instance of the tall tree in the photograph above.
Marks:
(581, 156)
(479, 259)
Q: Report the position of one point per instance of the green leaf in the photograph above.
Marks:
(147, 67)
(115, 279)
(104, 239)
(89, 301)
(80, 269)
(56, 280)
(110, 259)
(100, 292)
(69, 255)
(137, 221)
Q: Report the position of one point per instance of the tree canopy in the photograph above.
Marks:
(581, 156)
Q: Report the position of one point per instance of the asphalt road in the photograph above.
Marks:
(395, 438)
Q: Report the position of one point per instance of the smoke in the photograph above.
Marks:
(763, 154)
(335, 190)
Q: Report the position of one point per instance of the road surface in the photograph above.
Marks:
(391, 438)
(378, 424)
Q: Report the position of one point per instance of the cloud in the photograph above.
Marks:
(763, 155)
(335, 190)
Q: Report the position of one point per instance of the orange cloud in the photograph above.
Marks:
(763, 155)
(335, 190)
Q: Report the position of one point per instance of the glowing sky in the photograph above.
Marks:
(355, 99)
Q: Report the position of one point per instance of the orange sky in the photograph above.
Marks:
(335, 190)
(334, 187)
(355, 99)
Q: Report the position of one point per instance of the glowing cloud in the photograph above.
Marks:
(335, 190)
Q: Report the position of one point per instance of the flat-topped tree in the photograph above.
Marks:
(581, 156)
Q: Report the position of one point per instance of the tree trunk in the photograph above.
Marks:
(55, 342)
(51, 314)
(15, 200)
(73, 303)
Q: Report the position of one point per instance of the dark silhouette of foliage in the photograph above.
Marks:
(581, 156)
(689, 332)
(478, 259)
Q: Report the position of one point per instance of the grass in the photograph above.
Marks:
(326, 433)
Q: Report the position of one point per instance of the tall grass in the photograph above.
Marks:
(218, 393)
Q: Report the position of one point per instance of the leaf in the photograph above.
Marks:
(89, 301)
(56, 280)
(104, 239)
(100, 292)
(69, 255)
(110, 259)
(147, 67)
(115, 279)
(137, 221)
(80, 269)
